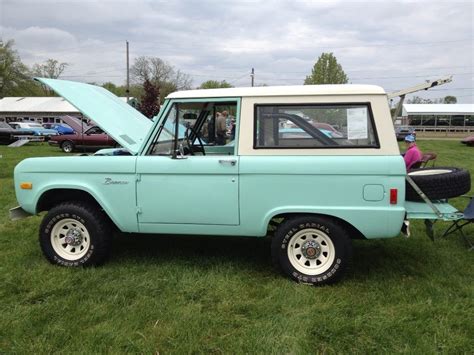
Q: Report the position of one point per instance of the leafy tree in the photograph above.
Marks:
(149, 105)
(326, 71)
(136, 91)
(15, 77)
(114, 89)
(160, 73)
(450, 99)
(214, 84)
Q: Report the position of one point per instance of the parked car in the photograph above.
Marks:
(93, 138)
(9, 135)
(468, 141)
(76, 124)
(36, 128)
(63, 129)
(311, 194)
(401, 132)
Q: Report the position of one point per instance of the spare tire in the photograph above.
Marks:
(438, 183)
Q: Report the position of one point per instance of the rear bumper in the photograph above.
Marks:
(18, 213)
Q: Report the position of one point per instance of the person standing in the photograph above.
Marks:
(221, 129)
(413, 153)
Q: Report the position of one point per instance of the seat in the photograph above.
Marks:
(427, 158)
(467, 219)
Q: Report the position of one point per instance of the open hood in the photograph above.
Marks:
(122, 122)
(75, 124)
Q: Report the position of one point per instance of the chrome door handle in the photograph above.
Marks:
(230, 162)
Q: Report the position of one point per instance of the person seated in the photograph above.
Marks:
(221, 129)
(412, 154)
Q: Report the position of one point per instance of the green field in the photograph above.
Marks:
(163, 294)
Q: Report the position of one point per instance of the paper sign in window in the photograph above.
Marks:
(357, 123)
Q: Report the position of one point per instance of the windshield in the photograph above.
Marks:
(200, 126)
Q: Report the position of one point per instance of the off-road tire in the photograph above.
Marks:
(286, 244)
(86, 216)
(438, 183)
(67, 146)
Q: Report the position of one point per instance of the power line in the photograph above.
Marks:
(243, 76)
(385, 69)
(175, 45)
(369, 77)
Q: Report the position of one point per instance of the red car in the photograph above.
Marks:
(468, 141)
(93, 137)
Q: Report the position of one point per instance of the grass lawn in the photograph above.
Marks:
(221, 295)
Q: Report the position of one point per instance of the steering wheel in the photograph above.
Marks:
(201, 145)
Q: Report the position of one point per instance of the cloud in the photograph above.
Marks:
(392, 44)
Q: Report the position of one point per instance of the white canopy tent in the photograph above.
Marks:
(438, 109)
(40, 109)
(459, 116)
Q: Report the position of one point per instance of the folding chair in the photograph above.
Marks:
(428, 157)
(461, 223)
(425, 159)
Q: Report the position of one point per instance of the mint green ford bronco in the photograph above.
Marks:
(312, 166)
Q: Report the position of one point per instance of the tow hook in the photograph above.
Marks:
(406, 228)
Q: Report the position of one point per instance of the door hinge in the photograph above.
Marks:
(139, 210)
(138, 178)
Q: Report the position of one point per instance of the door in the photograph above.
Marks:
(185, 176)
(94, 137)
(195, 190)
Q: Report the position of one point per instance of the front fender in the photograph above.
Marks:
(109, 180)
(122, 213)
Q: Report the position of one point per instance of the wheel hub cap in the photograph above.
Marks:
(311, 249)
(74, 237)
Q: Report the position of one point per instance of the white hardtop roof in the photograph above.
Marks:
(300, 90)
(438, 109)
(38, 104)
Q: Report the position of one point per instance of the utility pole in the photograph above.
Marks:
(252, 76)
(128, 75)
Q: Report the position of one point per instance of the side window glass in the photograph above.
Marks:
(197, 128)
(314, 126)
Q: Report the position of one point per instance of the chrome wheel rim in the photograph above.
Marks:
(70, 239)
(311, 251)
(67, 147)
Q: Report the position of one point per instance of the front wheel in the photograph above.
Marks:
(75, 234)
(311, 249)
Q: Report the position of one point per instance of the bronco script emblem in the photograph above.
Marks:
(109, 181)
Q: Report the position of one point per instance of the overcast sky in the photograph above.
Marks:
(393, 44)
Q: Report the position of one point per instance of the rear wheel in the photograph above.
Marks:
(75, 234)
(67, 146)
(311, 249)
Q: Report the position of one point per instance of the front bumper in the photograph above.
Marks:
(18, 213)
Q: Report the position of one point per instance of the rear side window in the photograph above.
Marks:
(314, 126)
